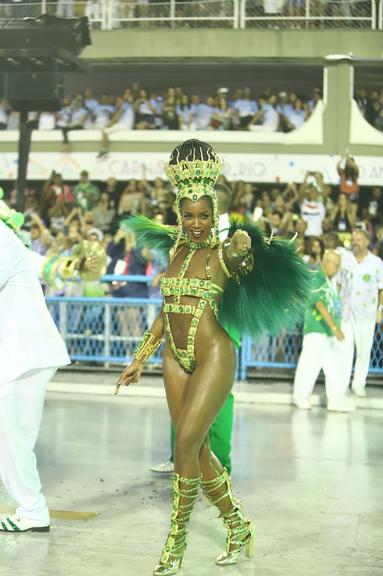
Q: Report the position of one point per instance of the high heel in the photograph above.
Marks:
(186, 490)
(247, 543)
(240, 531)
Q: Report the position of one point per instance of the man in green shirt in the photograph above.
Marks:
(322, 340)
(85, 192)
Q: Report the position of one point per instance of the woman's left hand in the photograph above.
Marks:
(241, 242)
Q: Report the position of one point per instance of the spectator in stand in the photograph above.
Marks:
(348, 172)
(103, 112)
(206, 111)
(184, 112)
(156, 193)
(57, 216)
(77, 118)
(291, 198)
(103, 213)
(91, 103)
(377, 106)
(126, 260)
(112, 188)
(63, 115)
(13, 120)
(296, 117)
(331, 241)
(275, 221)
(72, 227)
(156, 102)
(245, 107)
(170, 119)
(46, 121)
(222, 118)
(144, 112)
(317, 96)
(41, 239)
(371, 205)
(365, 104)
(343, 217)
(315, 252)
(312, 208)
(4, 109)
(132, 201)
(267, 118)
(87, 225)
(85, 192)
(378, 244)
(329, 198)
(54, 191)
(122, 119)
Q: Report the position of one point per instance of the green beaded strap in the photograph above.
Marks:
(169, 307)
(176, 542)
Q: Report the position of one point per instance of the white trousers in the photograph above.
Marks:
(359, 336)
(319, 352)
(21, 408)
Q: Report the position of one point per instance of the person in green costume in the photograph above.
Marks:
(221, 430)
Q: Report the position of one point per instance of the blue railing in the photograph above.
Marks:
(107, 331)
(283, 351)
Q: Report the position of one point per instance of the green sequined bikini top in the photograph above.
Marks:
(179, 286)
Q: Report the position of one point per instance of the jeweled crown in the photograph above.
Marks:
(195, 178)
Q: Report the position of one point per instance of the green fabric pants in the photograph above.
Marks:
(220, 434)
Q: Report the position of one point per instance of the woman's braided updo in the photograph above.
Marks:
(191, 150)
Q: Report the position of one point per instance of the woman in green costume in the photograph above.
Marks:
(246, 283)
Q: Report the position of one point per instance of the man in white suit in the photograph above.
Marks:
(31, 350)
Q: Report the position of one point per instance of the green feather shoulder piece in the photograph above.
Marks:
(273, 295)
(150, 234)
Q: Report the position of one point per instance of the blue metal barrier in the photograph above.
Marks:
(283, 351)
(107, 330)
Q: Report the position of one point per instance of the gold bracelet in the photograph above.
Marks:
(146, 347)
(222, 262)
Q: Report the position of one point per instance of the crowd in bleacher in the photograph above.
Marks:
(59, 215)
(139, 109)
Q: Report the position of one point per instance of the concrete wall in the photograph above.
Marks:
(229, 44)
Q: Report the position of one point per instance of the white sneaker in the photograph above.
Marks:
(17, 524)
(345, 405)
(302, 403)
(165, 468)
(359, 392)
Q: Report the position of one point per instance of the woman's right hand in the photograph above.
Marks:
(130, 375)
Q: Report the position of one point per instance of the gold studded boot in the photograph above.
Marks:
(185, 492)
(240, 531)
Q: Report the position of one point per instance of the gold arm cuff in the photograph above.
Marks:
(222, 262)
(146, 347)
